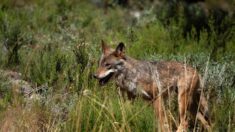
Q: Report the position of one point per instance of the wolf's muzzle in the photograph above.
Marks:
(95, 76)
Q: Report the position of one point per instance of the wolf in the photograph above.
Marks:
(155, 81)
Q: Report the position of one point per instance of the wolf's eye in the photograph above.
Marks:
(108, 65)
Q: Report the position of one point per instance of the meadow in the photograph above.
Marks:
(54, 46)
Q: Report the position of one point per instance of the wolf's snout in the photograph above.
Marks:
(95, 76)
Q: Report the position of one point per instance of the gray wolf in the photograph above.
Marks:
(155, 81)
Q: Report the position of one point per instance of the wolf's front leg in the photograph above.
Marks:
(122, 93)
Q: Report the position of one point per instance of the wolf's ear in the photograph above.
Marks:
(120, 50)
(105, 47)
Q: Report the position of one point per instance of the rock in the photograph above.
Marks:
(21, 86)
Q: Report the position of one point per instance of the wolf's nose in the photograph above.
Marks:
(95, 76)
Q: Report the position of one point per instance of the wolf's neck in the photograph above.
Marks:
(130, 62)
(142, 66)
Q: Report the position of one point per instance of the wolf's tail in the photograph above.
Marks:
(204, 108)
(203, 104)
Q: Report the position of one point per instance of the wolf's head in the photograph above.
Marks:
(110, 63)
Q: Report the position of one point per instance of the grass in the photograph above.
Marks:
(55, 45)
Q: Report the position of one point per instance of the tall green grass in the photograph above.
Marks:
(60, 48)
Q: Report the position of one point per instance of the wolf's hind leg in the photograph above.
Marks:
(204, 122)
(203, 114)
(204, 107)
(159, 112)
(183, 106)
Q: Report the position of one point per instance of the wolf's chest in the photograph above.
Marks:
(127, 83)
(131, 85)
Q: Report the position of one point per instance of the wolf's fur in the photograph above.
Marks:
(154, 81)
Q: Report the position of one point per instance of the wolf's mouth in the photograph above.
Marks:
(105, 79)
